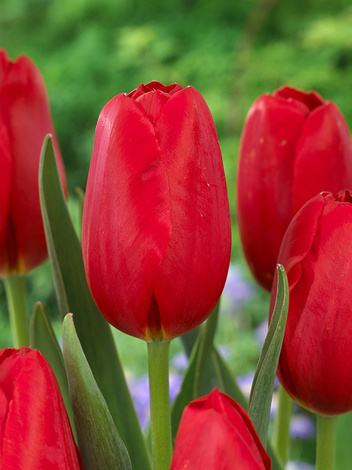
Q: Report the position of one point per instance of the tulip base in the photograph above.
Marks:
(326, 437)
(160, 417)
(15, 288)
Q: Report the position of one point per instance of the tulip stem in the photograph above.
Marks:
(282, 424)
(160, 417)
(15, 288)
(326, 437)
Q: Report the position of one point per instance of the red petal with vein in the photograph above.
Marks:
(317, 249)
(5, 186)
(195, 263)
(126, 223)
(215, 432)
(323, 155)
(35, 429)
(25, 112)
(265, 176)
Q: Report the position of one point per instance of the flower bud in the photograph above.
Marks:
(294, 145)
(156, 224)
(316, 252)
(215, 432)
(35, 431)
(24, 121)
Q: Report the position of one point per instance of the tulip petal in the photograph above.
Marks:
(265, 174)
(33, 437)
(196, 259)
(317, 326)
(124, 221)
(324, 135)
(5, 187)
(25, 113)
(215, 432)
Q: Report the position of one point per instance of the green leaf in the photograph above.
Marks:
(42, 337)
(98, 439)
(80, 198)
(206, 370)
(264, 377)
(74, 296)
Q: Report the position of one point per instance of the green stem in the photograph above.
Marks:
(282, 425)
(15, 288)
(160, 418)
(326, 437)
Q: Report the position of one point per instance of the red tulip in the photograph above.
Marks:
(156, 224)
(294, 145)
(215, 432)
(316, 252)
(24, 122)
(35, 431)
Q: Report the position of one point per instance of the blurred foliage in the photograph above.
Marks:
(232, 52)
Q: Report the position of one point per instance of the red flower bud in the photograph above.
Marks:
(215, 432)
(35, 431)
(24, 122)
(294, 145)
(316, 252)
(156, 223)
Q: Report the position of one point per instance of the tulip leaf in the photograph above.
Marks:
(206, 370)
(42, 337)
(264, 377)
(73, 296)
(188, 340)
(80, 199)
(98, 439)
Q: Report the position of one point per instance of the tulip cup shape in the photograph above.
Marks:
(156, 234)
(316, 252)
(35, 431)
(216, 433)
(24, 121)
(294, 145)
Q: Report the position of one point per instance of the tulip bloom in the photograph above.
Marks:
(24, 122)
(316, 252)
(35, 431)
(215, 432)
(294, 145)
(156, 224)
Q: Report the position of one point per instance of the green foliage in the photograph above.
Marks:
(231, 51)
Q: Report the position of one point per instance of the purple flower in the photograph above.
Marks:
(302, 427)
(291, 465)
(139, 389)
(180, 361)
(236, 291)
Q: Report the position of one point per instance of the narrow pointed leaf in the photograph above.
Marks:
(98, 439)
(80, 199)
(264, 377)
(73, 296)
(42, 337)
(206, 370)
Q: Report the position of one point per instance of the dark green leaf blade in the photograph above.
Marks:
(74, 296)
(206, 370)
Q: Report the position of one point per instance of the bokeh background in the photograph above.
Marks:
(232, 52)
